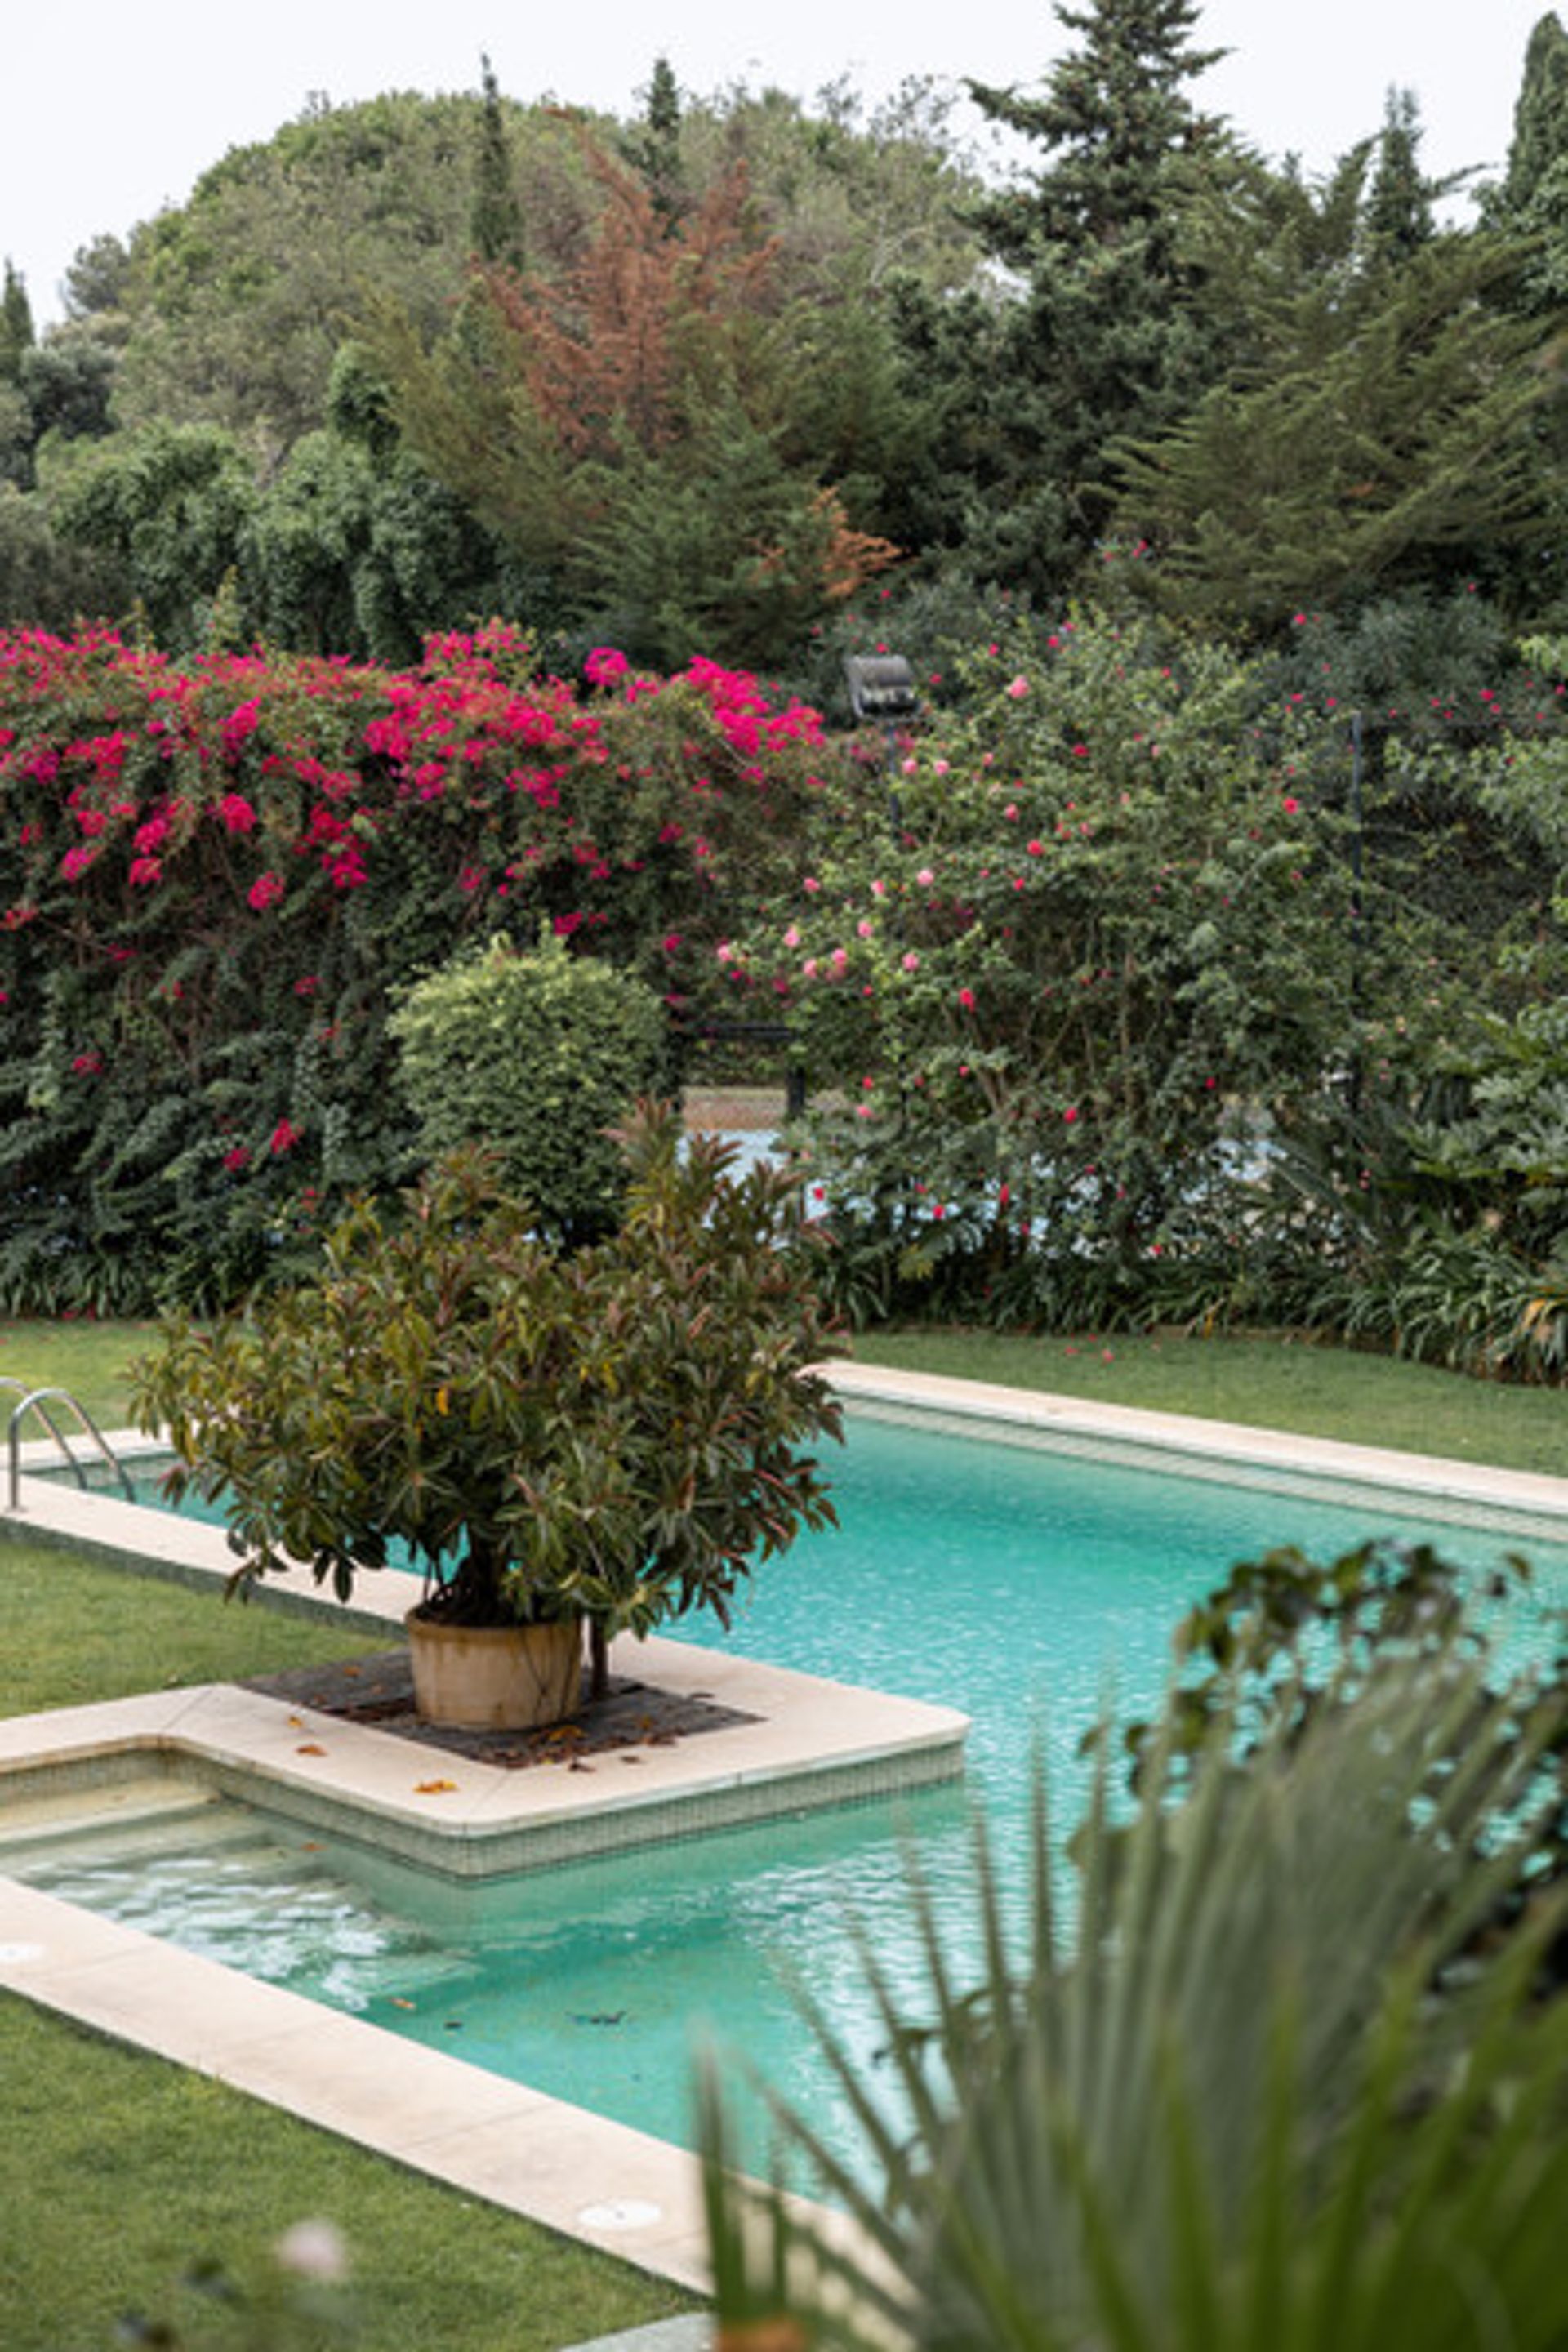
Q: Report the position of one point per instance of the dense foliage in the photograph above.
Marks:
(1200, 961)
(217, 875)
(535, 1056)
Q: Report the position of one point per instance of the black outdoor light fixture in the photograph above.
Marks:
(881, 686)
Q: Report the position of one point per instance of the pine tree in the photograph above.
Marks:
(1112, 118)
(1399, 215)
(497, 219)
(1106, 335)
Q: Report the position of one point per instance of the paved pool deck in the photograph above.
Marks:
(575, 2172)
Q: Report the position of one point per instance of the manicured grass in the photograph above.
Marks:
(87, 1358)
(1266, 1383)
(72, 1631)
(119, 2174)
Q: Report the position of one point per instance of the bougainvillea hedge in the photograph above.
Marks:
(213, 878)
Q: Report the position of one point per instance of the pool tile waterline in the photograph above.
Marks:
(600, 2181)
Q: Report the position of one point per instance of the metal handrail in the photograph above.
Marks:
(38, 1401)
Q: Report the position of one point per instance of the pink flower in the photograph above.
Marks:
(605, 665)
(810, 884)
(925, 878)
(306, 984)
(145, 871)
(264, 892)
(1019, 688)
(236, 814)
(911, 961)
(1036, 848)
(670, 942)
(792, 937)
(1070, 1113)
(966, 998)
(88, 1066)
(75, 862)
(863, 928)
(239, 726)
(1288, 806)
(285, 1136)
(237, 1158)
(808, 969)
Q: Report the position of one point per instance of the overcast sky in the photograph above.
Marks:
(115, 107)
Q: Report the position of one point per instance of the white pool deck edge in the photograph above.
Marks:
(592, 2179)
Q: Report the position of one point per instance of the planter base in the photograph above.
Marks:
(494, 1677)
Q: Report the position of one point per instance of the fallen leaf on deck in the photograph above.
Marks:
(433, 1787)
(311, 1748)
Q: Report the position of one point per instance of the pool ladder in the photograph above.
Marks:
(39, 1402)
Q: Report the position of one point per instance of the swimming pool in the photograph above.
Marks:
(1018, 1585)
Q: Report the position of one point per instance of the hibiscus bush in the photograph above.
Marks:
(214, 876)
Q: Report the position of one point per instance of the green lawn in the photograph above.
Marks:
(1267, 1383)
(119, 2171)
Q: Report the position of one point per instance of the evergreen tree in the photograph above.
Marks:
(15, 324)
(1399, 215)
(1532, 201)
(1106, 334)
(653, 144)
(1539, 117)
(1389, 438)
(496, 214)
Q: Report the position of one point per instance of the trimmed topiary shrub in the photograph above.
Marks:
(538, 1056)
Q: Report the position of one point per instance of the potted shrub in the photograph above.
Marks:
(602, 1441)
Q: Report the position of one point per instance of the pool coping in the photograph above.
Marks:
(422, 2108)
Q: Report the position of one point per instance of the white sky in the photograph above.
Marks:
(115, 107)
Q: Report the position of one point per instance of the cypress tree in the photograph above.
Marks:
(1539, 117)
(497, 218)
(653, 145)
(15, 324)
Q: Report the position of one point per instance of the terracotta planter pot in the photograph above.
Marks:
(494, 1677)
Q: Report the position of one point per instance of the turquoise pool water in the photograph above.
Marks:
(1024, 1587)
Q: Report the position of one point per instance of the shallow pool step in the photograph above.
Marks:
(58, 1816)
